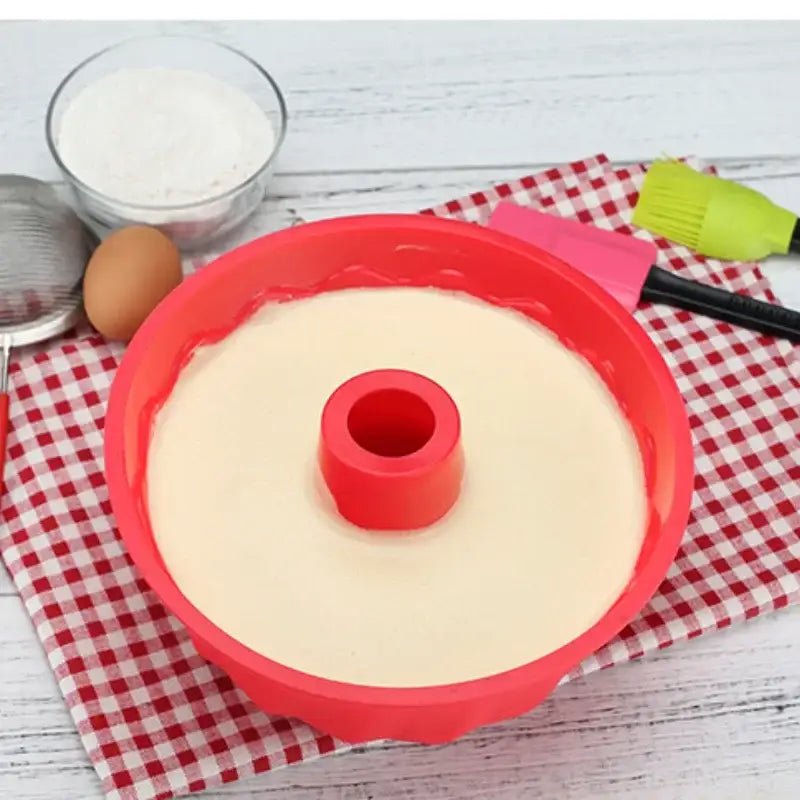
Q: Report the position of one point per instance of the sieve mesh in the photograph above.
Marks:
(44, 248)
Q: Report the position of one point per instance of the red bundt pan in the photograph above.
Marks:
(394, 250)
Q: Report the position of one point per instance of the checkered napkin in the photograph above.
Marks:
(157, 720)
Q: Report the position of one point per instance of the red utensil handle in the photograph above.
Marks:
(3, 433)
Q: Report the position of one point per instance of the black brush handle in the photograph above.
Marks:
(794, 242)
(738, 309)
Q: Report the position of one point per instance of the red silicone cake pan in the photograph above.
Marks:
(381, 251)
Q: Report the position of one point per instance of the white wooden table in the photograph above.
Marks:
(400, 116)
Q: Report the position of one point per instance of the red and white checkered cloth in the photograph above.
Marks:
(157, 720)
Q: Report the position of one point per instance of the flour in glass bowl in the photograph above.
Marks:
(163, 137)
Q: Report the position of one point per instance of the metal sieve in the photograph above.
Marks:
(44, 248)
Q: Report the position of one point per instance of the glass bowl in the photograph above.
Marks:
(190, 225)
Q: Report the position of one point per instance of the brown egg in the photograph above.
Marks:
(131, 271)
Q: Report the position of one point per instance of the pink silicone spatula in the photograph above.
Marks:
(624, 267)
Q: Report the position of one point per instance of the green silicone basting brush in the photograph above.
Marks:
(713, 216)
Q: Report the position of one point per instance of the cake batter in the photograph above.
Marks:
(541, 542)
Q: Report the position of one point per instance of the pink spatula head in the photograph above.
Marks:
(619, 263)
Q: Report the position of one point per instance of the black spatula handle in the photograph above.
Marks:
(794, 242)
(738, 309)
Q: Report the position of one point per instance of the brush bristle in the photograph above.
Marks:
(673, 202)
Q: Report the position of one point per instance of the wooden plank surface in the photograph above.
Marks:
(400, 117)
(405, 95)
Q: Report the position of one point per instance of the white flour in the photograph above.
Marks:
(157, 136)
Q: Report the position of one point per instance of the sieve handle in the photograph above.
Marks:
(4, 354)
(3, 431)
